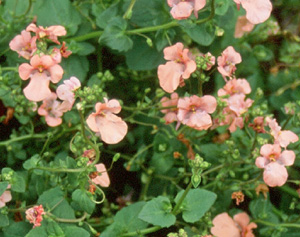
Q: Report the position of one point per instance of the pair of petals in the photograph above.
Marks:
(225, 226)
(102, 179)
(257, 11)
(194, 111)
(41, 71)
(183, 9)
(273, 161)
(110, 127)
(227, 61)
(180, 66)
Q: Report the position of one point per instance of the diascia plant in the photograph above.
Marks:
(149, 118)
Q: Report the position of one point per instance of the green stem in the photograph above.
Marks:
(177, 206)
(9, 69)
(289, 190)
(85, 37)
(94, 146)
(30, 136)
(142, 232)
(286, 122)
(128, 13)
(67, 220)
(294, 225)
(58, 170)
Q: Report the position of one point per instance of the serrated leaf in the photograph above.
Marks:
(102, 15)
(196, 203)
(17, 229)
(18, 183)
(81, 198)
(158, 212)
(54, 230)
(51, 197)
(114, 35)
(75, 65)
(38, 232)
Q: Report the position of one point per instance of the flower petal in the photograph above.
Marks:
(275, 174)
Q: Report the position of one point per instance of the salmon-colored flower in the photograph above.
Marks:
(227, 61)
(171, 113)
(23, 44)
(194, 111)
(182, 9)
(242, 26)
(258, 124)
(50, 109)
(229, 118)
(111, 128)
(50, 32)
(239, 226)
(180, 67)
(283, 138)
(65, 92)
(262, 188)
(257, 11)
(5, 197)
(274, 162)
(101, 178)
(238, 104)
(35, 215)
(41, 70)
(238, 196)
(235, 86)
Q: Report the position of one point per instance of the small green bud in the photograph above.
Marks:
(149, 42)
(116, 157)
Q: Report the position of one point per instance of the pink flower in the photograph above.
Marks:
(194, 111)
(274, 162)
(235, 86)
(171, 113)
(231, 119)
(227, 61)
(283, 138)
(5, 197)
(182, 9)
(50, 109)
(50, 32)
(257, 11)
(239, 226)
(180, 67)
(40, 71)
(65, 92)
(112, 128)
(242, 26)
(23, 44)
(101, 177)
(34, 215)
(238, 104)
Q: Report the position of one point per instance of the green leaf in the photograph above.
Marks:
(202, 34)
(126, 220)
(64, 210)
(54, 230)
(32, 163)
(102, 15)
(3, 220)
(18, 183)
(114, 35)
(57, 12)
(75, 65)
(81, 48)
(158, 212)
(81, 199)
(161, 38)
(142, 57)
(51, 197)
(221, 7)
(17, 229)
(260, 208)
(38, 232)
(72, 231)
(196, 203)
(3, 187)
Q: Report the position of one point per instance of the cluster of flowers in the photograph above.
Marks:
(257, 11)
(43, 68)
(273, 160)
(194, 111)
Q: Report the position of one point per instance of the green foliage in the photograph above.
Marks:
(196, 204)
(114, 35)
(158, 212)
(83, 200)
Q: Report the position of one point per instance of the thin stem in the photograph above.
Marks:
(142, 232)
(16, 139)
(177, 206)
(58, 170)
(294, 225)
(128, 13)
(67, 220)
(9, 69)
